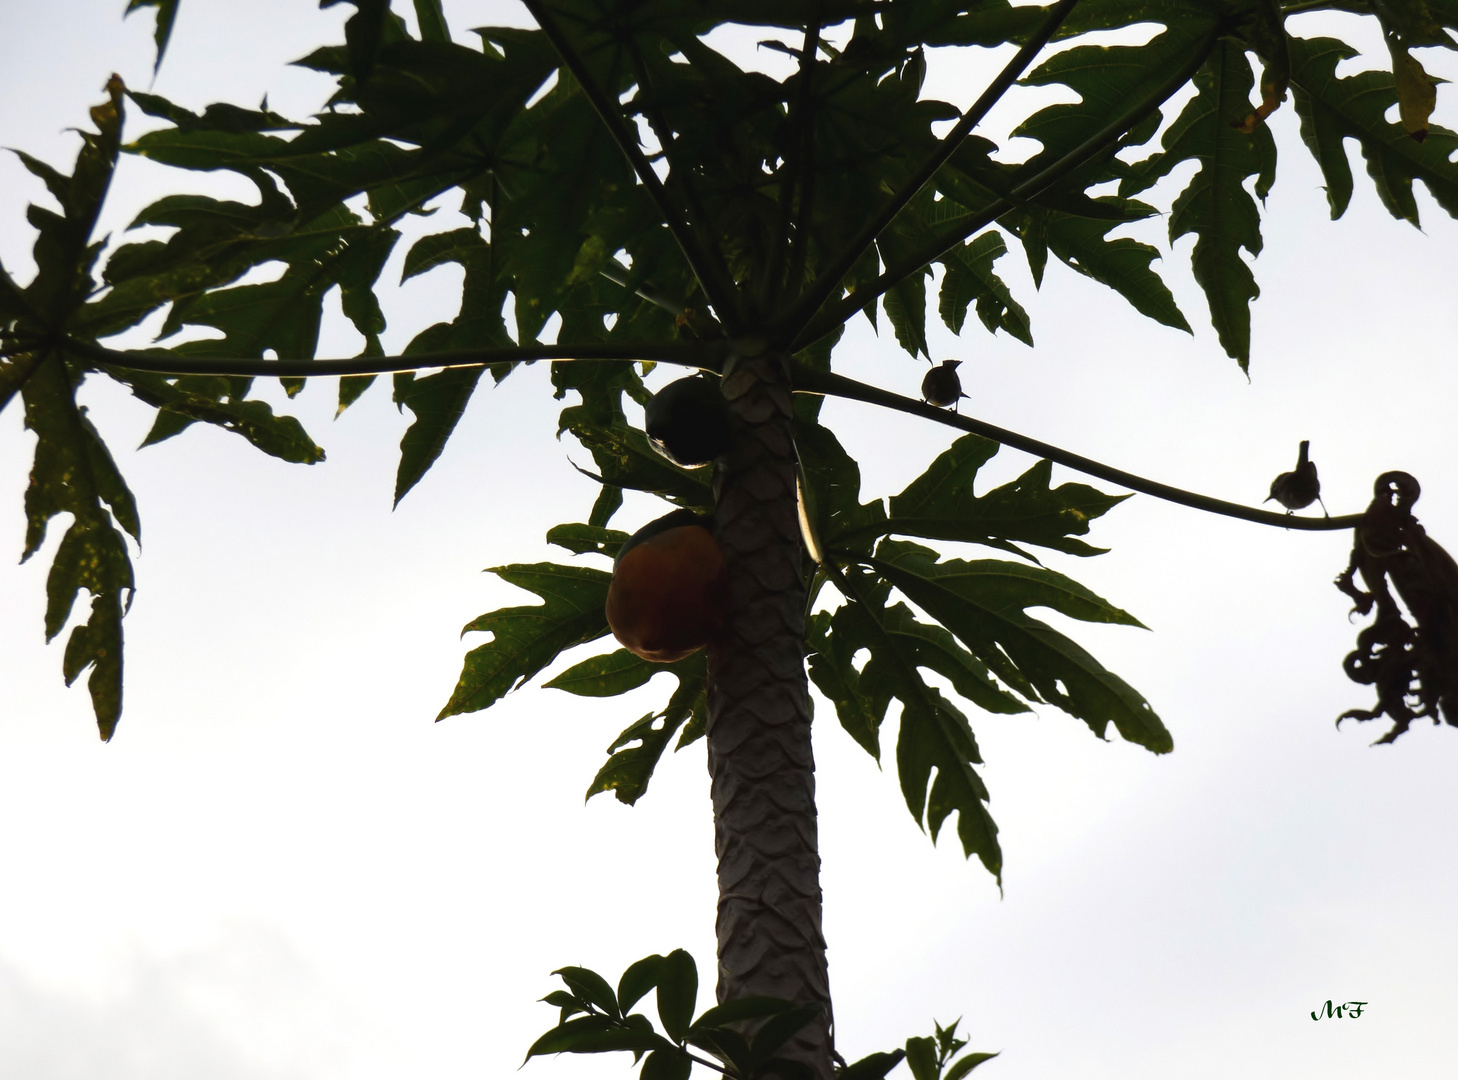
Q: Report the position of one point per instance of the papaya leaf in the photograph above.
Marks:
(74, 473)
(635, 753)
(526, 639)
(15, 371)
(438, 401)
(934, 733)
(1215, 205)
(223, 402)
(983, 603)
(940, 505)
(584, 539)
(166, 16)
(1106, 79)
(431, 16)
(606, 676)
(623, 454)
(905, 305)
(608, 502)
(832, 670)
(627, 460)
(970, 278)
(1123, 264)
(831, 485)
(1333, 109)
(1260, 24)
(934, 647)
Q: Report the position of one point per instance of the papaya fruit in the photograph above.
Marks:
(688, 421)
(669, 590)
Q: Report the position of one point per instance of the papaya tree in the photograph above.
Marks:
(639, 195)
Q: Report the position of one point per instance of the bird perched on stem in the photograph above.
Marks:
(942, 386)
(1298, 488)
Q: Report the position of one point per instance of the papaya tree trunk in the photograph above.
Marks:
(760, 760)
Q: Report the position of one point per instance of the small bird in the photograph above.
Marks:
(942, 386)
(1298, 488)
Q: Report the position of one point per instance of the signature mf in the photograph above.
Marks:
(1352, 1009)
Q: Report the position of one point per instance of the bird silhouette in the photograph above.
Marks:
(942, 386)
(1298, 488)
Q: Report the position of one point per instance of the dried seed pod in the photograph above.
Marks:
(1413, 666)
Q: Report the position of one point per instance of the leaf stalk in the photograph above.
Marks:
(706, 355)
(832, 385)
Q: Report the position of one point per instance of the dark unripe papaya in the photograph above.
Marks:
(669, 589)
(688, 421)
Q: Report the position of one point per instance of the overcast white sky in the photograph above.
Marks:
(281, 869)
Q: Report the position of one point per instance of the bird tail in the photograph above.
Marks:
(1302, 459)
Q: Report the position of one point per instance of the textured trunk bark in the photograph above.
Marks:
(760, 760)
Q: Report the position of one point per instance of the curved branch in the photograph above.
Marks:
(708, 355)
(832, 385)
(841, 310)
(826, 282)
(713, 279)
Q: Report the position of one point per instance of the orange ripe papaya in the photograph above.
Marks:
(669, 590)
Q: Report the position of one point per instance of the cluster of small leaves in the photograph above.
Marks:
(742, 1038)
(940, 1057)
(595, 1019)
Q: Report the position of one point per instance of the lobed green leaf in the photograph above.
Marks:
(526, 639)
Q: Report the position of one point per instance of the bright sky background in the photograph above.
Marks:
(281, 869)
